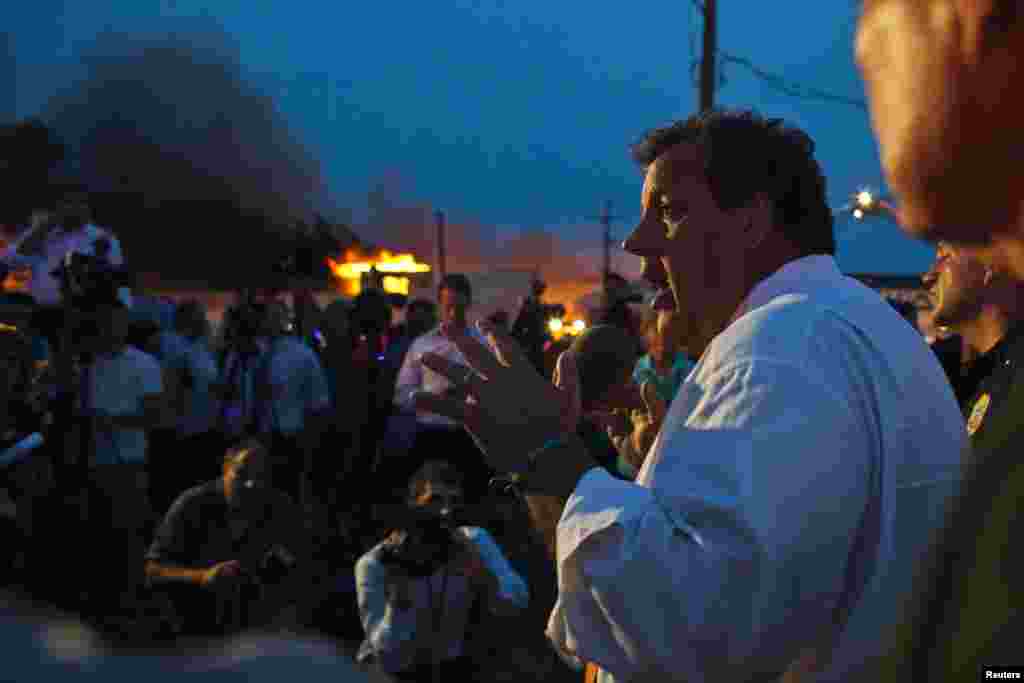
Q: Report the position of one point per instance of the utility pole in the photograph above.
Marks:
(707, 64)
(8, 80)
(606, 263)
(442, 259)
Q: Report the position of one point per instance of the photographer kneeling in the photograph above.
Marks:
(417, 587)
(232, 551)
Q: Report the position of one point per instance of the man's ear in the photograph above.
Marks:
(757, 219)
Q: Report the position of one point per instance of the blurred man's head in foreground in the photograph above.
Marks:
(946, 87)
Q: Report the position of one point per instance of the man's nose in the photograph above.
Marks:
(645, 239)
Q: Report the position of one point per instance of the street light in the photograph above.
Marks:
(865, 200)
(866, 203)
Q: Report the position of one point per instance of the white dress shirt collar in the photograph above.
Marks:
(794, 276)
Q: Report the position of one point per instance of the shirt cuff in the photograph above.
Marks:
(599, 501)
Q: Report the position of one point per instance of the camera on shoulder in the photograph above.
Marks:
(87, 280)
(425, 541)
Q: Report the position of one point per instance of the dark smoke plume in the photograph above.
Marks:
(201, 162)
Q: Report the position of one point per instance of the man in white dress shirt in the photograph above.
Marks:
(438, 436)
(801, 469)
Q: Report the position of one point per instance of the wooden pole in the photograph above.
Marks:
(707, 64)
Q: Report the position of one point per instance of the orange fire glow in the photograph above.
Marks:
(17, 281)
(395, 267)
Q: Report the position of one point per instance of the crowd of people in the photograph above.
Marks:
(772, 477)
(274, 474)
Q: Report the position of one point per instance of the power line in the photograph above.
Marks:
(709, 81)
(792, 88)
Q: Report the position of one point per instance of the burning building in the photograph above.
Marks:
(394, 273)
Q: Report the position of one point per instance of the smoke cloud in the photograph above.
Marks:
(173, 117)
(170, 122)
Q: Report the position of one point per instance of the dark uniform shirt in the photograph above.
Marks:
(196, 532)
(949, 352)
(967, 611)
(990, 377)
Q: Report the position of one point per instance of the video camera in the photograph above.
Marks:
(272, 567)
(87, 284)
(435, 530)
(89, 280)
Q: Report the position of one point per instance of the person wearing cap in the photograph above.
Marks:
(212, 550)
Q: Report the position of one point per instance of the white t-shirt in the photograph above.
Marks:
(119, 383)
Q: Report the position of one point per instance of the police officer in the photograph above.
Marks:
(987, 310)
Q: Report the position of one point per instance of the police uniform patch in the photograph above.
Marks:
(978, 413)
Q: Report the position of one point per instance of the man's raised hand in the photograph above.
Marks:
(514, 410)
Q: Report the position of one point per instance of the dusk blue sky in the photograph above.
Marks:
(509, 114)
